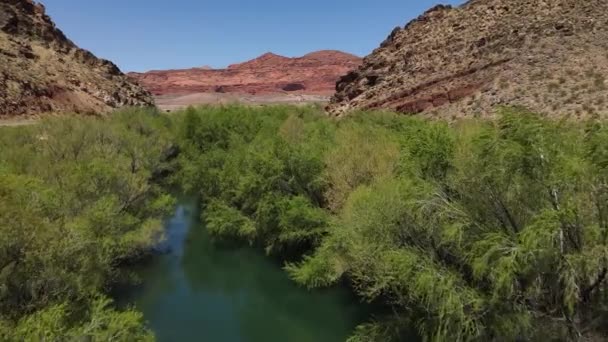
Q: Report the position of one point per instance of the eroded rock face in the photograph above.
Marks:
(547, 55)
(41, 70)
(314, 73)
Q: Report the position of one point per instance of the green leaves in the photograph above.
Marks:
(485, 229)
(362, 155)
(476, 230)
(76, 200)
(99, 323)
(228, 222)
(260, 174)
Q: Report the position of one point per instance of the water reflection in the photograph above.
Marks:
(198, 291)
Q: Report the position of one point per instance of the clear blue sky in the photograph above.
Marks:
(141, 35)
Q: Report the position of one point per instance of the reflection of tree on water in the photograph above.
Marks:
(161, 275)
(265, 301)
(202, 291)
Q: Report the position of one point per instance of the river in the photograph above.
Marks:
(197, 291)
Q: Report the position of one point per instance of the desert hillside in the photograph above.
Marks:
(549, 56)
(41, 70)
(315, 73)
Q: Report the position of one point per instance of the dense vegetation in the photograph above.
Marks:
(76, 202)
(473, 230)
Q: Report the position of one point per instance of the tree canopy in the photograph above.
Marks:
(472, 230)
(77, 200)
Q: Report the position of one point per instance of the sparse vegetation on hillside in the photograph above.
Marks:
(42, 71)
(468, 59)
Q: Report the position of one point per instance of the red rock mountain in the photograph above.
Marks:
(547, 55)
(41, 70)
(314, 73)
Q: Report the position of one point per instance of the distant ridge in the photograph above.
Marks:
(266, 59)
(314, 73)
(548, 56)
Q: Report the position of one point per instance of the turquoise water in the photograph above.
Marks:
(197, 291)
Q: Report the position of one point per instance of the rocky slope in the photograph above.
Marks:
(314, 73)
(41, 70)
(548, 55)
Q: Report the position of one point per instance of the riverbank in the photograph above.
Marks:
(76, 202)
(457, 228)
(452, 222)
(195, 290)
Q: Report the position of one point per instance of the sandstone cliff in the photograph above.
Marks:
(314, 73)
(41, 70)
(548, 55)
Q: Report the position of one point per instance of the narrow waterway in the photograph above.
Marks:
(197, 291)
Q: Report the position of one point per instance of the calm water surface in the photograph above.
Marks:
(201, 292)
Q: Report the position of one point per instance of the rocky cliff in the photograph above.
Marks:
(314, 73)
(548, 55)
(41, 70)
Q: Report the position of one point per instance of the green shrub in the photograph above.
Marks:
(77, 199)
(475, 230)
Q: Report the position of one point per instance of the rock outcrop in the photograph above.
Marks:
(314, 73)
(42, 71)
(550, 56)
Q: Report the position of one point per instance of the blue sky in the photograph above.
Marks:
(141, 35)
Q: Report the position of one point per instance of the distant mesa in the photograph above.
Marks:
(267, 59)
(315, 73)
